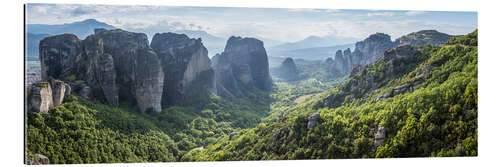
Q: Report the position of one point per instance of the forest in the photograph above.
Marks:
(436, 118)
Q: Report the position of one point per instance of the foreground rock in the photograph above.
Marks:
(186, 65)
(37, 159)
(43, 96)
(243, 66)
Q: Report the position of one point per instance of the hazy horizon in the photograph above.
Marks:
(279, 24)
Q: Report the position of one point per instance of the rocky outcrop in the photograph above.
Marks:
(424, 37)
(186, 65)
(55, 53)
(118, 66)
(366, 52)
(43, 96)
(379, 137)
(373, 47)
(37, 159)
(288, 70)
(355, 69)
(312, 120)
(394, 64)
(40, 98)
(242, 66)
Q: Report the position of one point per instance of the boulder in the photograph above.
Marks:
(232, 134)
(313, 120)
(81, 89)
(37, 159)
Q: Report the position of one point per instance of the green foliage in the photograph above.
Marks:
(437, 118)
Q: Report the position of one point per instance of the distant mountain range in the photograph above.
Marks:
(313, 53)
(314, 42)
(81, 28)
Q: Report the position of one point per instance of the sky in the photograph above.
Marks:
(280, 24)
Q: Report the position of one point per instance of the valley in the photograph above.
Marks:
(113, 96)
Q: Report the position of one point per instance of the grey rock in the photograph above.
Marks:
(313, 120)
(55, 54)
(379, 137)
(186, 64)
(40, 98)
(113, 66)
(37, 159)
(243, 66)
(288, 70)
(58, 91)
(81, 89)
(382, 97)
(232, 134)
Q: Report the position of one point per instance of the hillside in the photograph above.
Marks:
(414, 101)
(436, 117)
(424, 37)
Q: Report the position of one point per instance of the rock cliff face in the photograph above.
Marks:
(242, 66)
(185, 64)
(373, 47)
(117, 65)
(288, 70)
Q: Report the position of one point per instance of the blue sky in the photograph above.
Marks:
(280, 24)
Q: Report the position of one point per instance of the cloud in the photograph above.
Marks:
(80, 11)
(414, 12)
(381, 14)
(313, 10)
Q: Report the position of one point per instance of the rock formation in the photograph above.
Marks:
(379, 137)
(43, 96)
(242, 66)
(395, 62)
(288, 70)
(117, 65)
(37, 159)
(373, 47)
(40, 98)
(186, 65)
(312, 120)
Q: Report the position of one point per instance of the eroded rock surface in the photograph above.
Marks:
(185, 64)
(242, 66)
(117, 66)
